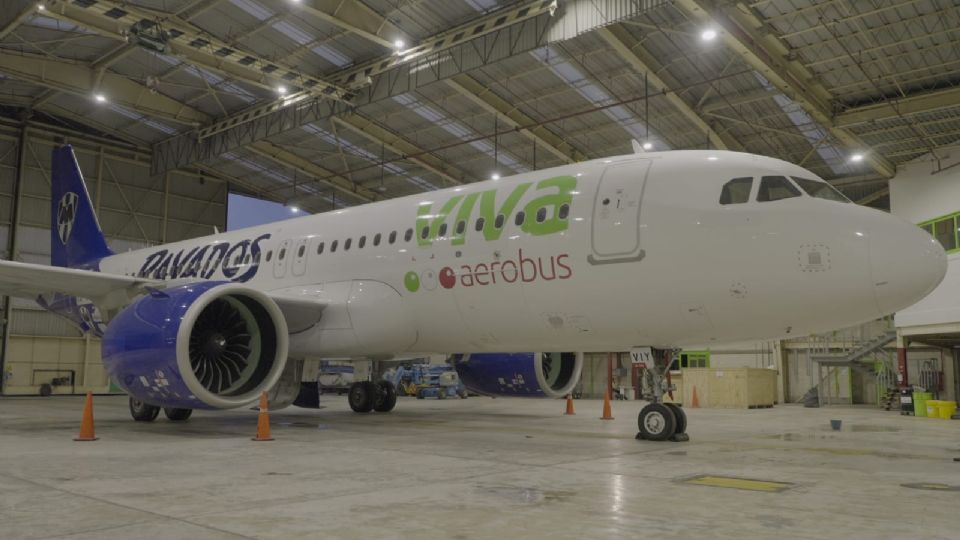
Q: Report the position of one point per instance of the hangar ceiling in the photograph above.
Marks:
(331, 103)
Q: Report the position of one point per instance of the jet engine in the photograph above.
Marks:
(207, 345)
(541, 374)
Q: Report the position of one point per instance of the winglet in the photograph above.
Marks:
(76, 240)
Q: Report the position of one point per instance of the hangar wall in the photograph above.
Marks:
(919, 193)
(135, 210)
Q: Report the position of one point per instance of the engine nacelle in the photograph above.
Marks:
(207, 345)
(551, 375)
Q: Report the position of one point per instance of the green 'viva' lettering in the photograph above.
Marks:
(542, 213)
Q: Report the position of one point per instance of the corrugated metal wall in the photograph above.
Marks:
(135, 211)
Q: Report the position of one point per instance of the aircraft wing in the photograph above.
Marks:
(111, 291)
(28, 280)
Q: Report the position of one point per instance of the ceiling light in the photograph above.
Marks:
(282, 90)
(647, 145)
(712, 158)
(100, 98)
(856, 158)
(294, 209)
(708, 35)
(495, 176)
(399, 44)
(41, 7)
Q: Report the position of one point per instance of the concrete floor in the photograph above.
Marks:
(472, 469)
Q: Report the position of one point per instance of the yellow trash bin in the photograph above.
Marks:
(947, 408)
(933, 408)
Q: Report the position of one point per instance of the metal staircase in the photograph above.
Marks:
(855, 358)
(859, 349)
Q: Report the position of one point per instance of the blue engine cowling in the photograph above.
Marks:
(207, 345)
(550, 375)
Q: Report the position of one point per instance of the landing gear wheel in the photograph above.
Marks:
(362, 396)
(386, 397)
(680, 415)
(177, 415)
(657, 422)
(143, 412)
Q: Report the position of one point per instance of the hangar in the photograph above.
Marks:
(185, 115)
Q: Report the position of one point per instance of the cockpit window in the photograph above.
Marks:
(820, 190)
(774, 188)
(736, 191)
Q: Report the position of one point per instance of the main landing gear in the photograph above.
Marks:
(660, 421)
(366, 396)
(144, 412)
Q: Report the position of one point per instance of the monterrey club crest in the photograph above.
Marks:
(66, 214)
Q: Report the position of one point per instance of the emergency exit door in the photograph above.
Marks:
(615, 227)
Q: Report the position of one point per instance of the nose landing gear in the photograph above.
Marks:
(659, 421)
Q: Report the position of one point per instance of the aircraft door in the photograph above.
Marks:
(615, 228)
(280, 259)
(299, 266)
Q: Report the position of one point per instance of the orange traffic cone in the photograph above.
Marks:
(86, 425)
(607, 413)
(569, 406)
(694, 401)
(263, 421)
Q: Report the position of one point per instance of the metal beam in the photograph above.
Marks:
(437, 58)
(80, 79)
(355, 17)
(912, 104)
(876, 195)
(115, 19)
(626, 47)
(27, 13)
(745, 34)
(311, 169)
(489, 101)
(372, 131)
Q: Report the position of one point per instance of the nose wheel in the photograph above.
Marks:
(659, 421)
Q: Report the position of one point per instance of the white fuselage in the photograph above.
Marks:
(643, 254)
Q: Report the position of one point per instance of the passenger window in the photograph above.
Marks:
(269, 256)
(425, 232)
(320, 248)
(736, 191)
(541, 215)
(442, 231)
(376, 239)
(362, 242)
(346, 244)
(480, 222)
(283, 253)
(333, 246)
(301, 251)
(775, 188)
(518, 220)
(461, 226)
(408, 235)
(393, 236)
(498, 223)
(820, 190)
(564, 211)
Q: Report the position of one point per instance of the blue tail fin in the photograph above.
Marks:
(76, 240)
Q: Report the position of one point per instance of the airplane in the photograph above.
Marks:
(659, 250)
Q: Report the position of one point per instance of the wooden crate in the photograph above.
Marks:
(736, 388)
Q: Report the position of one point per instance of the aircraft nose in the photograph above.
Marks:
(906, 264)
